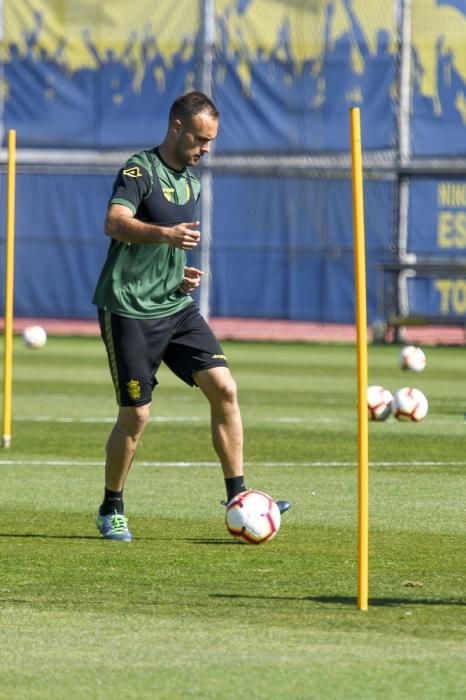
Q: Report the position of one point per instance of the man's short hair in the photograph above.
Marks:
(192, 103)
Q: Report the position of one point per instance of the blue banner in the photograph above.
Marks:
(437, 242)
(438, 120)
(279, 97)
(283, 77)
(81, 75)
(442, 297)
(437, 217)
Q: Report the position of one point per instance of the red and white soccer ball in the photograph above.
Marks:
(252, 517)
(34, 337)
(412, 358)
(379, 402)
(410, 404)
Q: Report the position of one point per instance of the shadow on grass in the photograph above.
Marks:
(349, 600)
(43, 536)
(31, 535)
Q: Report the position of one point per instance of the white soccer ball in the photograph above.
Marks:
(379, 402)
(410, 404)
(252, 517)
(34, 337)
(412, 358)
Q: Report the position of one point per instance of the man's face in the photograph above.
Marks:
(193, 137)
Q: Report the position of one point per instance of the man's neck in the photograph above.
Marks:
(167, 157)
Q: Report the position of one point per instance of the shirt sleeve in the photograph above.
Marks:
(131, 185)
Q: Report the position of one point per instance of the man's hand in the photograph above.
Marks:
(191, 279)
(184, 236)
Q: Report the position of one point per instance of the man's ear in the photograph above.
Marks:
(176, 125)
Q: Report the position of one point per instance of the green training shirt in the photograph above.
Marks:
(142, 280)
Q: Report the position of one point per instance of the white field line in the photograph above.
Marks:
(290, 420)
(93, 463)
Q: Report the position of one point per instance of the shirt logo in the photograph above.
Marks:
(169, 193)
(132, 172)
(134, 389)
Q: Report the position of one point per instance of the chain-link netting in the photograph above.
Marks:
(86, 84)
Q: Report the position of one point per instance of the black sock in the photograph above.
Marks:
(234, 485)
(113, 502)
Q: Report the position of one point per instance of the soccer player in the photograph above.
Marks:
(146, 312)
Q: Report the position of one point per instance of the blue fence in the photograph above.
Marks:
(283, 81)
(269, 260)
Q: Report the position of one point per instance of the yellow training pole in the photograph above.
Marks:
(9, 282)
(361, 327)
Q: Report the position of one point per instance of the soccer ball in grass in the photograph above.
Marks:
(34, 337)
(412, 358)
(379, 402)
(252, 517)
(410, 404)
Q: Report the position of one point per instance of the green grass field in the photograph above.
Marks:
(183, 611)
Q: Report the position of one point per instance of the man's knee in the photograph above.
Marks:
(133, 419)
(229, 390)
(225, 390)
(218, 385)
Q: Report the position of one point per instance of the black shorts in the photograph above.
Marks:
(136, 347)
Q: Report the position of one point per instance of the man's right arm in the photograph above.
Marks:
(121, 225)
